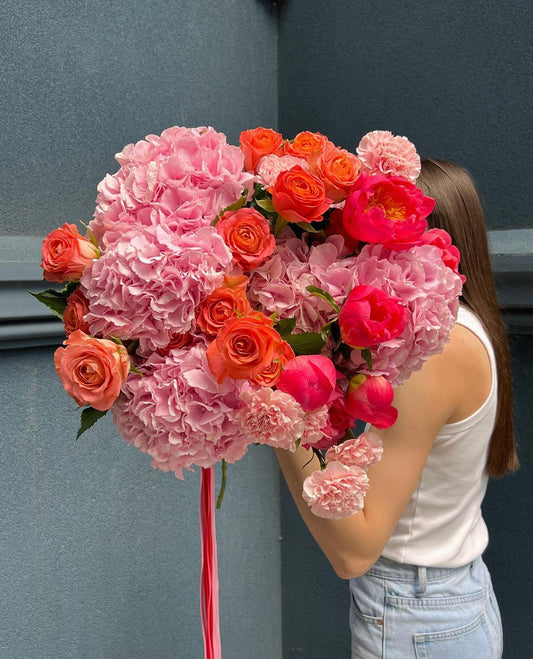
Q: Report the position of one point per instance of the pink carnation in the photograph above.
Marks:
(430, 291)
(337, 491)
(270, 417)
(362, 451)
(178, 414)
(181, 179)
(317, 427)
(381, 152)
(270, 166)
(280, 284)
(148, 285)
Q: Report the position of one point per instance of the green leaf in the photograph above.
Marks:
(308, 227)
(367, 356)
(280, 223)
(285, 326)
(235, 206)
(266, 205)
(308, 343)
(224, 466)
(56, 301)
(324, 295)
(89, 417)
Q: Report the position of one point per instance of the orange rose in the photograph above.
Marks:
(176, 341)
(299, 196)
(245, 347)
(92, 370)
(227, 302)
(270, 375)
(66, 254)
(247, 233)
(77, 307)
(257, 143)
(305, 144)
(338, 168)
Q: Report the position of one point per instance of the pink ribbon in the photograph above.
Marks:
(209, 575)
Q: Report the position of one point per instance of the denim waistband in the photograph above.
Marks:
(385, 567)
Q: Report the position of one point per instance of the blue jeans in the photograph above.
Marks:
(399, 611)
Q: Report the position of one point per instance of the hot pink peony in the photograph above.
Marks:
(179, 415)
(386, 210)
(310, 379)
(362, 451)
(369, 398)
(381, 152)
(430, 290)
(270, 417)
(181, 180)
(148, 285)
(336, 491)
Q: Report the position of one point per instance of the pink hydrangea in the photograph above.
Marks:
(181, 179)
(148, 285)
(280, 284)
(336, 491)
(270, 417)
(178, 414)
(271, 165)
(429, 289)
(381, 152)
(362, 451)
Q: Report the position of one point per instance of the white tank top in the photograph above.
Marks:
(442, 525)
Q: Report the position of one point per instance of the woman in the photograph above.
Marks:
(419, 586)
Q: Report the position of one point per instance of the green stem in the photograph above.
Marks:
(222, 484)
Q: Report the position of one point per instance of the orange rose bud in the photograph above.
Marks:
(66, 254)
(305, 144)
(299, 196)
(223, 303)
(338, 168)
(77, 307)
(176, 341)
(247, 233)
(245, 347)
(257, 143)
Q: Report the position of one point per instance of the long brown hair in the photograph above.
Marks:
(458, 211)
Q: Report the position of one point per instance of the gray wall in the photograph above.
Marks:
(99, 553)
(455, 77)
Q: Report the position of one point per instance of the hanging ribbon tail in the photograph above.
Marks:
(209, 575)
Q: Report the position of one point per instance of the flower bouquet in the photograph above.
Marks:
(273, 293)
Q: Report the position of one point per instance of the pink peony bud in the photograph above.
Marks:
(310, 379)
(369, 398)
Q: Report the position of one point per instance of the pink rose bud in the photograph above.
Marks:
(310, 379)
(369, 398)
(92, 370)
(370, 316)
(66, 254)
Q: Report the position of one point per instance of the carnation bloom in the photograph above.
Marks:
(179, 415)
(245, 347)
(318, 432)
(381, 152)
(228, 301)
(299, 196)
(370, 316)
(270, 417)
(369, 398)
(338, 169)
(259, 142)
(180, 180)
(247, 233)
(310, 379)
(92, 370)
(66, 254)
(362, 451)
(271, 166)
(336, 491)
(429, 290)
(386, 210)
(148, 285)
(73, 316)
